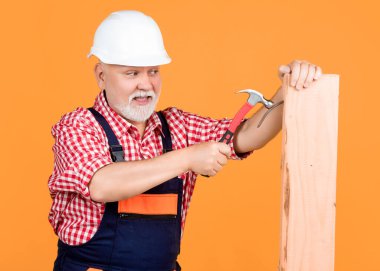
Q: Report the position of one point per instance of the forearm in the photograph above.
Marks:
(122, 180)
(249, 137)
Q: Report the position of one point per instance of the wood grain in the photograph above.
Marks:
(309, 161)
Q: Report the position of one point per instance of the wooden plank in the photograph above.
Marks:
(309, 160)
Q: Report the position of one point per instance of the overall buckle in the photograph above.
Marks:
(117, 153)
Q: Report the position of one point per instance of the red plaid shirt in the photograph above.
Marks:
(81, 148)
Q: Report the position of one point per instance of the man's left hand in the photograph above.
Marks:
(302, 73)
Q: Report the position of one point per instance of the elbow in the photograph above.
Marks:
(96, 196)
(96, 192)
(243, 147)
(103, 191)
(259, 145)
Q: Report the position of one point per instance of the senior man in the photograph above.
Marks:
(124, 174)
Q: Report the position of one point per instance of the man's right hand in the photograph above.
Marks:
(208, 158)
(132, 178)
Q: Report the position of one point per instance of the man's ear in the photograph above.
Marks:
(99, 70)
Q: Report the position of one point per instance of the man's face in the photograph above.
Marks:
(132, 92)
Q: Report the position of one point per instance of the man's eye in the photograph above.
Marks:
(132, 73)
(153, 72)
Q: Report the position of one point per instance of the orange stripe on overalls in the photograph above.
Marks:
(150, 204)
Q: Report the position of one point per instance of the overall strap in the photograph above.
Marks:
(116, 150)
(166, 140)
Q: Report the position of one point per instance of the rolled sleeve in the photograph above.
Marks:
(79, 151)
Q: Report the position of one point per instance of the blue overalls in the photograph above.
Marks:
(129, 241)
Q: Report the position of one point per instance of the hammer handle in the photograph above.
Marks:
(226, 138)
(234, 124)
(239, 117)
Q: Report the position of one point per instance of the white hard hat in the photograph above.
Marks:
(129, 38)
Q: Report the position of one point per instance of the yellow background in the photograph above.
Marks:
(217, 47)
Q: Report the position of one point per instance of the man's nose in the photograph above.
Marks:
(145, 82)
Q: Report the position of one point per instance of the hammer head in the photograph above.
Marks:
(256, 97)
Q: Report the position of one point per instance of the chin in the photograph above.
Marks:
(137, 113)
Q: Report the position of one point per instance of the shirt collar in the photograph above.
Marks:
(121, 124)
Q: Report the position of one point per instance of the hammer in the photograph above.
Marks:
(254, 98)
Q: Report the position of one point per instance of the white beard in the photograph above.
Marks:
(138, 113)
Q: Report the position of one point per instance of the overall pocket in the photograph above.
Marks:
(148, 241)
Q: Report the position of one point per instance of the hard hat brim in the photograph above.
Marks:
(145, 61)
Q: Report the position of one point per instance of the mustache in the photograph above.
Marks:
(142, 94)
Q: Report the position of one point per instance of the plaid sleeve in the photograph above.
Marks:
(204, 129)
(80, 149)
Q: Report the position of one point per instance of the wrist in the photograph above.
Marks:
(279, 96)
(185, 159)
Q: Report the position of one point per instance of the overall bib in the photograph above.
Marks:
(141, 233)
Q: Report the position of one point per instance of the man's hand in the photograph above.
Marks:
(248, 136)
(302, 73)
(208, 158)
